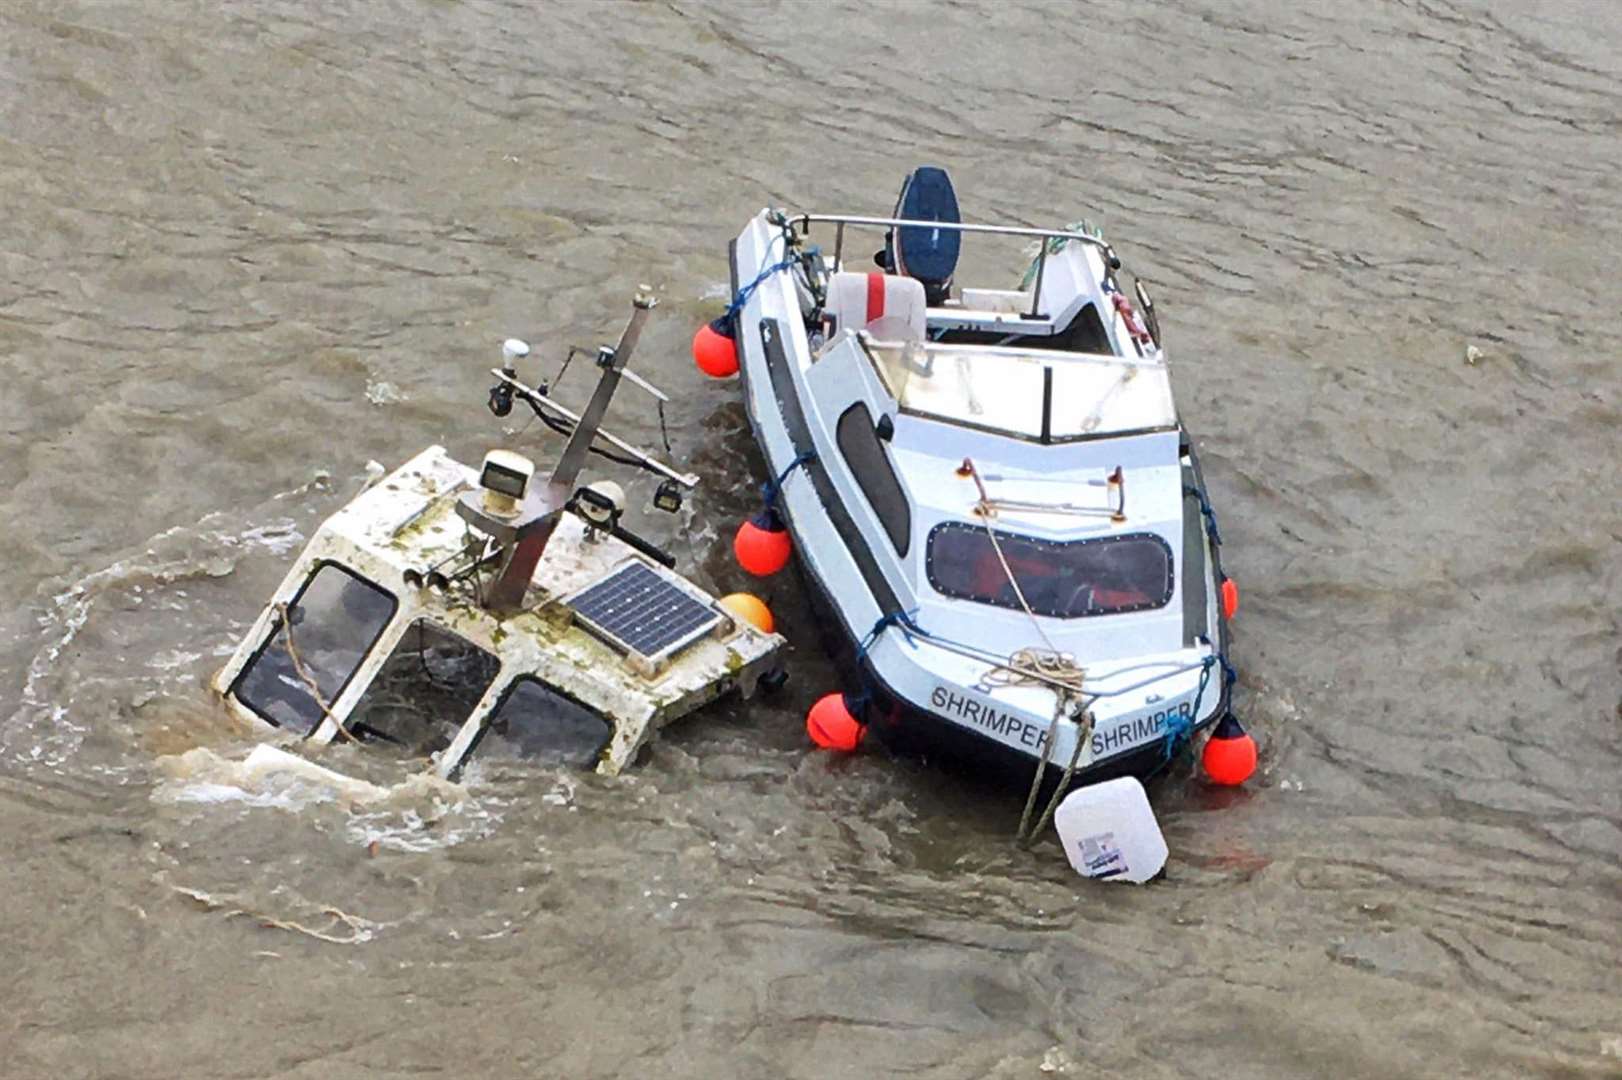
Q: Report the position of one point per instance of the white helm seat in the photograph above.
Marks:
(888, 306)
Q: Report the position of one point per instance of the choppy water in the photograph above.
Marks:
(245, 242)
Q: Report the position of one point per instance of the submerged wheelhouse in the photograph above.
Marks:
(447, 610)
(378, 633)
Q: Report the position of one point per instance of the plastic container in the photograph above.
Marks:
(1109, 832)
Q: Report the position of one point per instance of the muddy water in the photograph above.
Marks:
(247, 247)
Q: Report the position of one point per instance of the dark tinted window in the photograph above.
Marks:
(535, 721)
(1066, 580)
(337, 618)
(864, 453)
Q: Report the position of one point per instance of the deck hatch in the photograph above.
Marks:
(641, 611)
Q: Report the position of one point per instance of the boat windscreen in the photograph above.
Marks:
(424, 692)
(337, 617)
(534, 721)
(1039, 394)
(1106, 575)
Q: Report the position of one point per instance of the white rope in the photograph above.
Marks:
(1028, 666)
(1084, 733)
(304, 675)
(1037, 667)
(1047, 666)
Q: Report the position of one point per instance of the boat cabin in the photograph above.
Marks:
(378, 633)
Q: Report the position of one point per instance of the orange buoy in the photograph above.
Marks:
(832, 724)
(762, 545)
(1230, 598)
(751, 609)
(1230, 753)
(714, 351)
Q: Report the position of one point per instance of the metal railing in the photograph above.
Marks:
(803, 223)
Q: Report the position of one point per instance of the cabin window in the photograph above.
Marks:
(1063, 579)
(425, 691)
(535, 721)
(865, 455)
(337, 617)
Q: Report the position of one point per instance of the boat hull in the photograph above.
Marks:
(914, 729)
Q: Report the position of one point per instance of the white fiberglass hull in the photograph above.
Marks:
(921, 667)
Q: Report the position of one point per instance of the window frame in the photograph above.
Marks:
(507, 691)
(1037, 438)
(276, 627)
(354, 720)
(1005, 537)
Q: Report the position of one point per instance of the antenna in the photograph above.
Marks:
(501, 394)
(522, 532)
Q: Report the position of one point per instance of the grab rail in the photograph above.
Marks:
(955, 226)
(839, 221)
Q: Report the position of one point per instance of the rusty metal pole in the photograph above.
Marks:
(541, 513)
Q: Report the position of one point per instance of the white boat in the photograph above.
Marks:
(448, 610)
(989, 490)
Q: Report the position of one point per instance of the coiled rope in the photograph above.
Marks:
(1037, 667)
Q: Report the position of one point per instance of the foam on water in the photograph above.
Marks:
(46, 728)
(417, 812)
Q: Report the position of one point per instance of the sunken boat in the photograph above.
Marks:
(448, 611)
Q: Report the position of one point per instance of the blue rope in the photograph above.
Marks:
(748, 290)
(773, 488)
(902, 619)
(742, 298)
(899, 618)
(1207, 512)
(1180, 728)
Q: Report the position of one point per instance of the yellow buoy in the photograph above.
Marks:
(751, 609)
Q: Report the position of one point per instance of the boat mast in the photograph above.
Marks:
(524, 535)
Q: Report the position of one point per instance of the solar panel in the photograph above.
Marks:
(641, 611)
